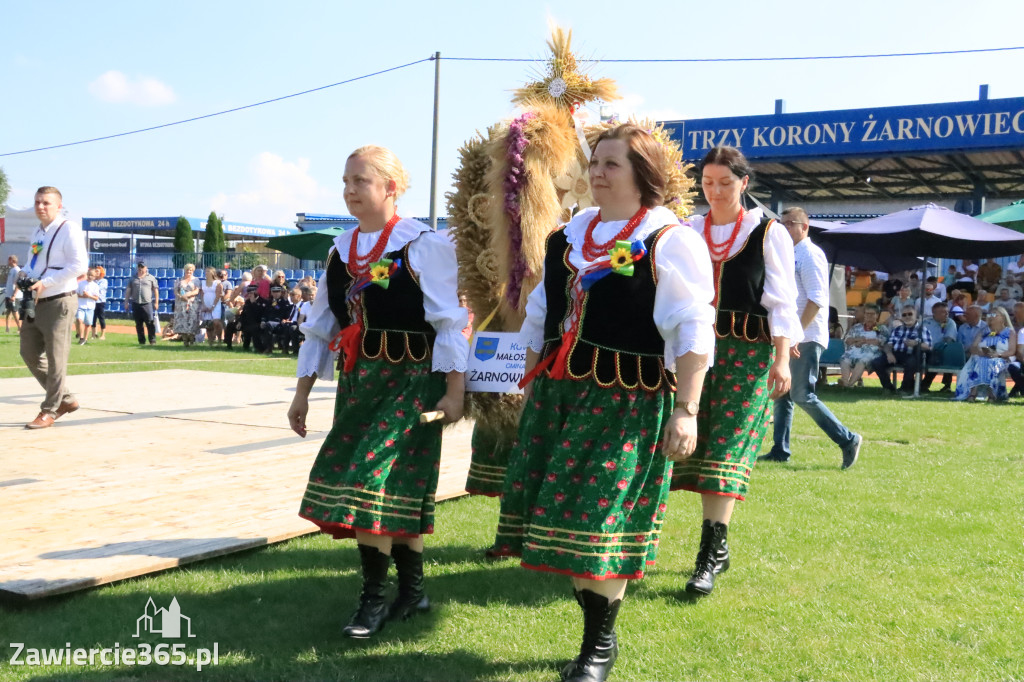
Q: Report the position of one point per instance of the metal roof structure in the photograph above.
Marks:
(954, 175)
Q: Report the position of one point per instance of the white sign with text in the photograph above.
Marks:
(497, 361)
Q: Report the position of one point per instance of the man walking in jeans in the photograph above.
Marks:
(812, 302)
(56, 259)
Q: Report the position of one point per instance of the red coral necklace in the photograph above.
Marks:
(360, 265)
(720, 251)
(592, 251)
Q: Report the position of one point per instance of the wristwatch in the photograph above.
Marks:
(690, 407)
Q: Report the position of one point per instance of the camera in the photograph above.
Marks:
(28, 300)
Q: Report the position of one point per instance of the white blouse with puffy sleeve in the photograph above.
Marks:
(780, 293)
(432, 257)
(682, 304)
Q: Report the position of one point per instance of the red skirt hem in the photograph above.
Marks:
(695, 489)
(341, 531)
(564, 571)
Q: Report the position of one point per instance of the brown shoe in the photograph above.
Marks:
(66, 408)
(44, 420)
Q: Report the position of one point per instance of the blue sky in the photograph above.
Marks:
(79, 70)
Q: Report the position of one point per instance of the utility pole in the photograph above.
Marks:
(433, 153)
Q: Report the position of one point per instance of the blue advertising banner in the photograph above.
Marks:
(128, 224)
(953, 126)
(198, 225)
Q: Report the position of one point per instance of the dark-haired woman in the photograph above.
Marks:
(389, 304)
(618, 333)
(756, 323)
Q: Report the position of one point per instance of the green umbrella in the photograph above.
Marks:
(1011, 216)
(312, 245)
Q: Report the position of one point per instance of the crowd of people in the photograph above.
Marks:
(259, 313)
(978, 308)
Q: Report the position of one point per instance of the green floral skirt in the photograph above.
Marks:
(587, 482)
(377, 470)
(489, 462)
(733, 419)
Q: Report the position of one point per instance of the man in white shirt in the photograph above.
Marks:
(56, 259)
(812, 302)
(930, 300)
(12, 295)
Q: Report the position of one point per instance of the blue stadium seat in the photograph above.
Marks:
(236, 275)
(299, 274)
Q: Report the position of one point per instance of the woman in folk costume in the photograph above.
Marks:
(756, 324)
(388, 302)
(618, 331)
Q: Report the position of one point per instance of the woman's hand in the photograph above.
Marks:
(452, 406)
(679, 438)
(779, 378)
(297, 414)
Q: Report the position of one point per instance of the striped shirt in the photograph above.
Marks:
(812, 285)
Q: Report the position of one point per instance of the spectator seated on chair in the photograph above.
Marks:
(986, 369)
(971, 327)
(903, 348)
(903, 300)
(1012, 282)
(989, 274)
(864, 342)
(957, 306)
(1004, 300)
(943, 332)
(940, 288)
(930, 299)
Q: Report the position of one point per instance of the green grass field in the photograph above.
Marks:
(906, 567)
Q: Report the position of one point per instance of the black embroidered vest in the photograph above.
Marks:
(617, 341)
(740, 286)
(394, 324)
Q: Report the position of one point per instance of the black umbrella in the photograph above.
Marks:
(862, 255)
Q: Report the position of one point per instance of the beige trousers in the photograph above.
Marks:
(45, 345)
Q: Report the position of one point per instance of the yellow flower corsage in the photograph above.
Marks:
(621, 258)
(381, 271)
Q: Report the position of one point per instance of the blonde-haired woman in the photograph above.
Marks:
(213, 292)
(391, 308)
(990, 355)
(186, 308)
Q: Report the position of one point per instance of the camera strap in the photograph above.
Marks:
(49, 247)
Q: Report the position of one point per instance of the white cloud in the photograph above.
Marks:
(632, 105)
(114, 86)
(278, 189)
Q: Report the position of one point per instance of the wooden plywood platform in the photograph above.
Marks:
(155, 470)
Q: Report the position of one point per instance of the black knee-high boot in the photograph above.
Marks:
(369, 617)
(600, 645)
(712, 557)
(411, 597)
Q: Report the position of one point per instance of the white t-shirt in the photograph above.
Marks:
(87, 287)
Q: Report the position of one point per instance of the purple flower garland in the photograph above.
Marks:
(513, 185)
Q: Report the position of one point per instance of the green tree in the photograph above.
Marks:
(5, 190)
(213, 241)
(184, 242)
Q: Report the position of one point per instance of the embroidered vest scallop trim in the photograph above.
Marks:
(618, 343)
(739, 286)
(394, 324)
